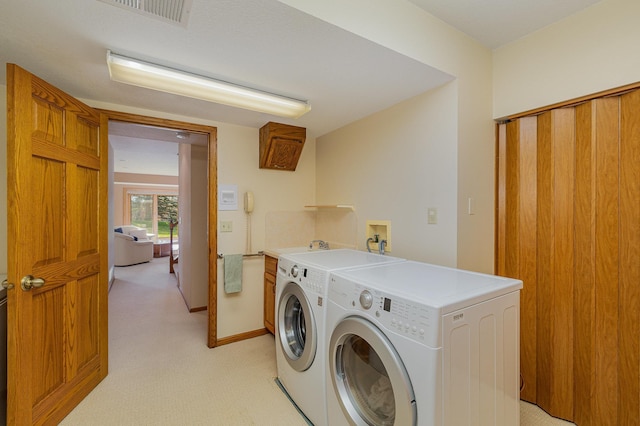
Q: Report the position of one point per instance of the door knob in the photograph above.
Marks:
(6, 285)
(29, 281)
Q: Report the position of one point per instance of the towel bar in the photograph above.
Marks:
(260, 253)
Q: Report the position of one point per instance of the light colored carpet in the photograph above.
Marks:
(162, 373)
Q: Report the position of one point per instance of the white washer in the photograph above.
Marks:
(301, 290)
(418, 344)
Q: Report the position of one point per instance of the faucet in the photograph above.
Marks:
(373, 239)
(322, 245)
(381, 245)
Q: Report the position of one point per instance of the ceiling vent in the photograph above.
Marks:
(174, 11)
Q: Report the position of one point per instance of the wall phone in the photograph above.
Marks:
(248, 202)
(248, 208)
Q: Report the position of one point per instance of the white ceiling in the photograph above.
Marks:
(497, 22)
(144, 156)
(148, 150)
(263, 44)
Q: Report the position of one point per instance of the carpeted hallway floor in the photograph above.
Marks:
(162, 373)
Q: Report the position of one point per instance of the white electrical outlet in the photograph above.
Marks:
(226, 226)
(432, 216)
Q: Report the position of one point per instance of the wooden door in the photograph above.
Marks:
(57, 224)
(568, 225)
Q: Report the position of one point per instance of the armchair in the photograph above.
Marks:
(132, 246)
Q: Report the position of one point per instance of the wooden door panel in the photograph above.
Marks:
(501, 198)
(48, 121)
(584, 269)
(555, 186)
(544, 264)
(512, 205)
(48, 195)
(629, 317)
(517, 150)
(87, 207)
(606, 261)
(48, 364)
(87, 137)
(87, 345)
(527, 250)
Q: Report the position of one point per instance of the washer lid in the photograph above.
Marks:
(339, 259)
(446, 289)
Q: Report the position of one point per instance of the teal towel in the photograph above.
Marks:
(233, 273)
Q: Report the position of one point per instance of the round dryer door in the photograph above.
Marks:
(369, 378)
(296, 327)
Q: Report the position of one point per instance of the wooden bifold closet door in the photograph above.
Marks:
(568, 225)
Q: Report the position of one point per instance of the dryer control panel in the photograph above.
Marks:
(413, 320)
(311, 279)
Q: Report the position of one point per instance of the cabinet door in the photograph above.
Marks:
(281, 146)
(269, 302)
(283, 154)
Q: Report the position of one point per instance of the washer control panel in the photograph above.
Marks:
(366, 299)
(413, 320)
(294, 271)
(310, 279)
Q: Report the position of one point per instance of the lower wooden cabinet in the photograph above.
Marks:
(270, 271)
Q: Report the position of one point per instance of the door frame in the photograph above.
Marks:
(212, 219)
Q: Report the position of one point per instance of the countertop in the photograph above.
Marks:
(276, 252)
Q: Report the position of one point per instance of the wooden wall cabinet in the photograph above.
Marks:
(281, 146)
(270, 271)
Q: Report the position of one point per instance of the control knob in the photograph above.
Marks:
(294, 271)
(366, 299)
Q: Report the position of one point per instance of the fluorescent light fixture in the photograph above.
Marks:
(156, 77)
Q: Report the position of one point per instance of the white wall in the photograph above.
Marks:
(394, 165)
(193, 270)
(594, 50)
(274, 191)
(405, 28)
(199, 256)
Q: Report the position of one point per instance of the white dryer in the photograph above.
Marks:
(301, 290)
(418, 344)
